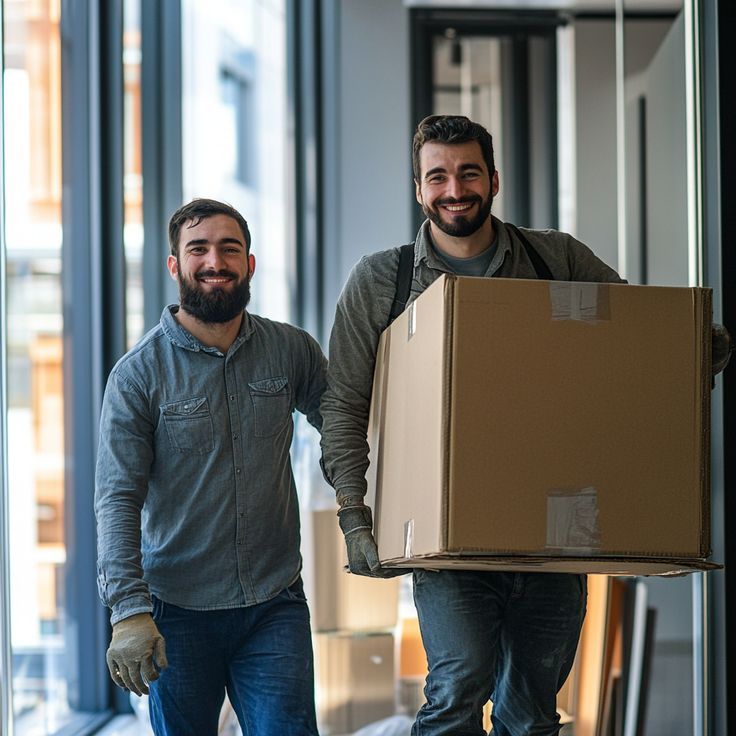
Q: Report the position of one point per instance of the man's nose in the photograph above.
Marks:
(214, 259)
(455, 187)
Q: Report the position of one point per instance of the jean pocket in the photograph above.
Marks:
(158, 608)
(189, 425)
(271, 399)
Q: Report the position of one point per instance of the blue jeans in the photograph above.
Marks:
(510, 637)
(261, 655)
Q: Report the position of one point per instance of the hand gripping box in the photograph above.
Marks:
(536, 425)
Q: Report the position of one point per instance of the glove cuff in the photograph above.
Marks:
(353, 518)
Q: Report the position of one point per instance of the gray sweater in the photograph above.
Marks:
(363, 312)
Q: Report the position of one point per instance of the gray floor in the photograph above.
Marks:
(131, 726)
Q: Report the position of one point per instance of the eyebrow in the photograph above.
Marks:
(204, 241)
(463, 167)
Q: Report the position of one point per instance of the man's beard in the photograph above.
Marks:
(460, 226)
(216, 305)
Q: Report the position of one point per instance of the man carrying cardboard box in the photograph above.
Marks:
(506, 636)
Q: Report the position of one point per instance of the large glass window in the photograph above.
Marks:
(234, 128)
(132, 169)
(32, 129)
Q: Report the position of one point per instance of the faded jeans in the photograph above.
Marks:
(261, 655)
(508, 637)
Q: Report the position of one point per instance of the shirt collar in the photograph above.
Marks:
(424, 250)
(182, 338)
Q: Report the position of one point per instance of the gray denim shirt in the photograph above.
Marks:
(195, 498)
(363, 312)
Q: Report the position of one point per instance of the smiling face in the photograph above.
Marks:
(213, 269)
(455, 189)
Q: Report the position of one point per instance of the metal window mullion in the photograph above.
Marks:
(93, 309)
(6, 680)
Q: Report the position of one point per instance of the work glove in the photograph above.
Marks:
(136, 649)
(722, 348)
(356, 523)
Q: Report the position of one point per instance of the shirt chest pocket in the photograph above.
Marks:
(189, 425)
(271, 399)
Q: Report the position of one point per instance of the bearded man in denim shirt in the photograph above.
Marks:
(197, 512)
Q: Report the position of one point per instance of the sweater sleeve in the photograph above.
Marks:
(361, 315)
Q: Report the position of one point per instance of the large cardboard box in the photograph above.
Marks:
(337, 599)
(536, 425)
(355, 680)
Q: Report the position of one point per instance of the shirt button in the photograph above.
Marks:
(232, 397)
(235, 436)
(237, 470)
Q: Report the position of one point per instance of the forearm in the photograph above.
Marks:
(120, 580)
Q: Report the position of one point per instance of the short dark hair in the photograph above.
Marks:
(451, 129)
(198, 210)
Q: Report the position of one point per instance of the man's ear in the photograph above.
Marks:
(172, 263)
(418, 192)
(494, 183)
(251, 265)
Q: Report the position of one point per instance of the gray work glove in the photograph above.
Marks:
(356, 523)
(722, 348)
(136, 649)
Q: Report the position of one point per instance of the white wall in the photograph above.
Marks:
(667, 161)
(595, 113)
(368, 146)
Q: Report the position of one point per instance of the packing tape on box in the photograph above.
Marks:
(572, 520)
(582, 302)
(409, 538)
(412, 320)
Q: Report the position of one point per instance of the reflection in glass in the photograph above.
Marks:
(32, 124)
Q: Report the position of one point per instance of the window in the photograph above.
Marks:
(35, 438)
(235, 128)
(236, 95)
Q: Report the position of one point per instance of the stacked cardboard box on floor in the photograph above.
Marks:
(353, 618)
(551, 426)
(355, 675)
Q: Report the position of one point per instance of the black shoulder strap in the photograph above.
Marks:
(541, 268)
(404, 276)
